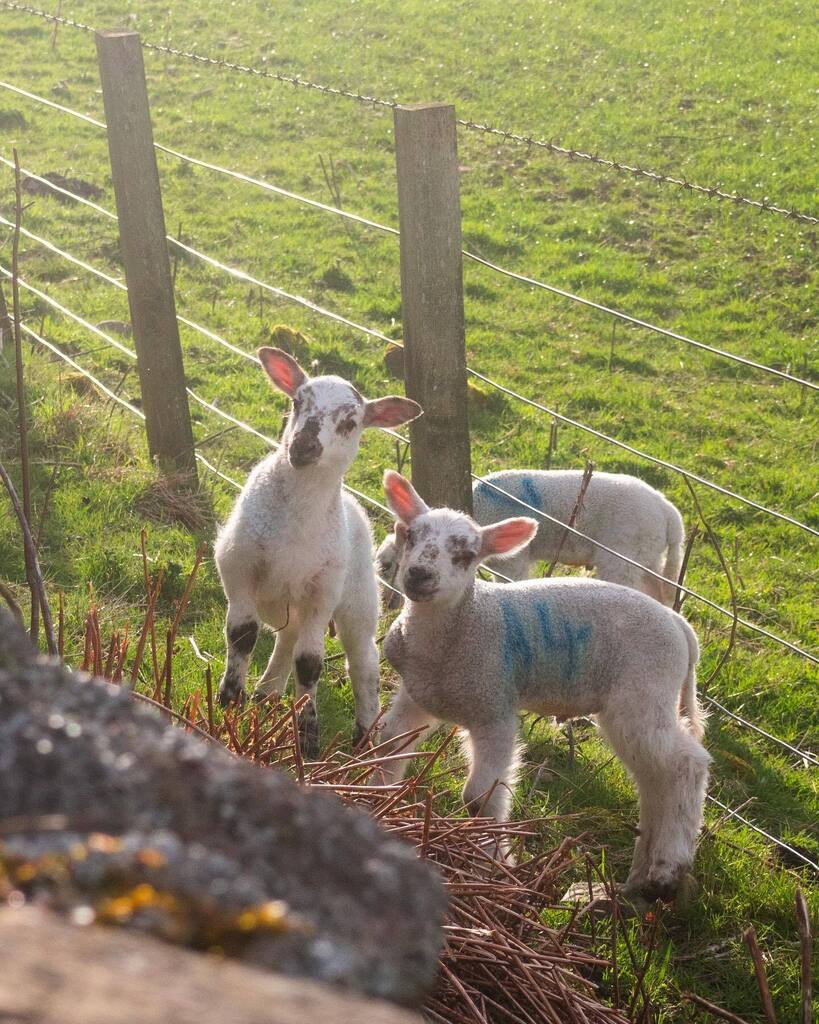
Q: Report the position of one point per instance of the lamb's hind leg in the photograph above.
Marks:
(670, 768)
(309, 662)
(241, 631)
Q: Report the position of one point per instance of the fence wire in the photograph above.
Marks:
(378, 335)
(528, 139)
(761, 831)
(806, 756)
(384, 228)
(630, 561)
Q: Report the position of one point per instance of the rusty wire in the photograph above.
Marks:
(529, 139)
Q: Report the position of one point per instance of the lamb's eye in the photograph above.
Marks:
(463, 559)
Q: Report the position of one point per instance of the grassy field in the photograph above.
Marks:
(698, 91)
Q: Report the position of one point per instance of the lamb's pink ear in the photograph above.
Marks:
(282, 369)
(402, 497)
(507, 537)
(390, 411)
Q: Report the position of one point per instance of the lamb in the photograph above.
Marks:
(297, 551)
(475, 654)
(621, 511)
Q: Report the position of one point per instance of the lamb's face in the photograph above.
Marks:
(328, 415)
(441, 553)
(442, 548)
(325, 424)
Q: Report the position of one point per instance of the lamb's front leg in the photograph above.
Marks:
(492, 753)
(403, 716)
(309, 661)
(241, 631)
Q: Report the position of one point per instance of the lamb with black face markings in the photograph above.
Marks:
(476, 654)
(297, 549)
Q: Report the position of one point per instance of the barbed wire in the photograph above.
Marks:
(378, 335)
(637, 322)
(529, 140)
(375, 225)
(806, 755)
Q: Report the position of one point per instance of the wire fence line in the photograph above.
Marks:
(644, 568)
(805, 755)
(380, 336)
(384, 228)
(55, 350)
(761, 831)
(641, 454)
(273, 444)
(528, 139)
(524, 505)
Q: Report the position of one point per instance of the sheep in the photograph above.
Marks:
(620, 511)
(475, 654)
(297, 551)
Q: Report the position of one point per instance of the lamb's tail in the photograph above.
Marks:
(692, 715)
(675, 541)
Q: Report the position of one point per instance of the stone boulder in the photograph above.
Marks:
(57, 973)
(110, 813)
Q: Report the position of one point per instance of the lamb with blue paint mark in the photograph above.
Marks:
(476, 654)
(620, 511)
(297, 551)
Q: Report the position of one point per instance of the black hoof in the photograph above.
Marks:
(359, 732)
(309, 740)
(229, 695)
(260, 697)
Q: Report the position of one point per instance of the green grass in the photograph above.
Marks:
(697, 90)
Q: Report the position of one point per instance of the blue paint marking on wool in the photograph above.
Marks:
(576, 639)
(528, 493)
(572, 641)
(487, 493)
(518, 654)
(568, 640)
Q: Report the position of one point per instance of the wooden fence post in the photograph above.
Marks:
(432, 301)
(145, 251)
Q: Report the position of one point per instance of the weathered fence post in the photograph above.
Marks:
(145, 251)
(432, 301)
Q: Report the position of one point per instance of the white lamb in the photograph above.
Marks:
(297, 550)
(475, 654)
(620, 511)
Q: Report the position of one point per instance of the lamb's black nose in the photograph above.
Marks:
(417, 576)
(304, 451)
